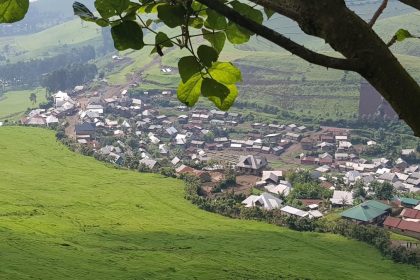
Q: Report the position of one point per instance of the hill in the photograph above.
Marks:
(65, 216)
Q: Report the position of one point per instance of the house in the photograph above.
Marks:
(308, 160)
(342, 198)
(293, 136)
(265, 200)
(404, 227)
(410, 214)
(344, 146)
(409, 202)
(388, 177)
(95, 108)
(251, 165)
(278, 150)
(150, 163)
(84, 130)
(307, 143)
(325, 146)
(323, 169)
(408, 152)
(341, 156)
(325, 159)
(51, 120)
(371, 143)
(283, 188)
(339, 138)
(175, 161)
(60, 98)
(326, 138)
(291, 211)
(315, 214)
(272, 176)
(353, 176)
(368, 212)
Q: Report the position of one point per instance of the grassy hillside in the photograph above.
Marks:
(50, 41)
(14, 103)
(65, 216)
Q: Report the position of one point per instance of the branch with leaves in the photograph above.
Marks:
(218, 21)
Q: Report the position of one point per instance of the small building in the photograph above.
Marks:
(307, 143)
(368, 212)
(342, 198)
(265, 200)
(404, 227)
(84, 130)
(291, 211)
(251, 165)
(409, 202)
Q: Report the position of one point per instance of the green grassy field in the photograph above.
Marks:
(14, 103)
(50, 41)
(65, 216)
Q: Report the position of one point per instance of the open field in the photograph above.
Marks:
(65, 216)
(14, 103)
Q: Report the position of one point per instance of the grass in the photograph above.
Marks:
(65, 216)
(51, 41)
(399, 237)
(14, 103)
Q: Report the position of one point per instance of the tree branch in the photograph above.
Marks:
(280, 40)
(378, 13)
(413, 3)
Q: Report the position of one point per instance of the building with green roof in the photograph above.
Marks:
(409, 202)
(368, 212)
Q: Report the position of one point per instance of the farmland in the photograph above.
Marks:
(66, 216)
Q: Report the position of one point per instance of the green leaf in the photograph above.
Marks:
(110, 8)
(101, 22)
(217, 39)
(225, 73)
(215, 20)
(13, 10)
(248, 11)
(237, 34)
(83, 12)
(268, 12)
(211, 87)
(127, 35)
(207, 55)
(189, 92)
(403, 34)
(196, 22)
(172, 16)
(163, 40)
(224, 104)
(187, 67)
(150, 8)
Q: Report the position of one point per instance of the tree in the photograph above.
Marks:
(362, 50)
(383, 190)
(359, 189)
(32, 97)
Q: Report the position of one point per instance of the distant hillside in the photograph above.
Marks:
(66, 216)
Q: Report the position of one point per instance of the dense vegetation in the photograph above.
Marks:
(35, 72)
(76, 218)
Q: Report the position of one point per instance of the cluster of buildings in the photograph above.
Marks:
(63, 105)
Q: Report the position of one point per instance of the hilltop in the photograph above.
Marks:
(66, 216)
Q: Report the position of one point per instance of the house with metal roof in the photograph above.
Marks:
(368, 212)
(251, 164)
(265, 200)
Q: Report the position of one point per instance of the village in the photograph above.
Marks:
(126, 130)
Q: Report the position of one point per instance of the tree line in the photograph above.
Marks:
(31, 73)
